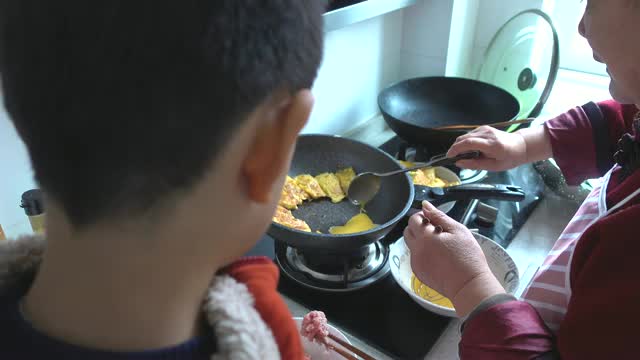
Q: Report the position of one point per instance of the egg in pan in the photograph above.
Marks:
(330, 183)
(284, 217)
(335, 186)
(292, 195)
(345, 176)
(310, 185)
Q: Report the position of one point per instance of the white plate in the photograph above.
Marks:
(499, 261)
(317, 351)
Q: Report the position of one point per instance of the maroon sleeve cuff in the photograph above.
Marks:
(510, 330)
(577, 143)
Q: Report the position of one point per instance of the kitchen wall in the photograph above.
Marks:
(463, 28)
(358, 61)
(361, 59)
(425, 38)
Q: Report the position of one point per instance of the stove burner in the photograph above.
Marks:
(334, 272)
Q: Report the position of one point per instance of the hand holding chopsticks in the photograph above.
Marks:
(315, 328)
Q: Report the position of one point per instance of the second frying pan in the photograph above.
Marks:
(414, 107)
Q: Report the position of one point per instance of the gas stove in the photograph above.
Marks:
(334, 272)
(356, 292)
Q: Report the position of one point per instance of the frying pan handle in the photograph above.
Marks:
(438, 196)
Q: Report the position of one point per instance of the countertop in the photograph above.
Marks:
(528, 249)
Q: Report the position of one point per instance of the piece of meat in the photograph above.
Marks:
(314, 327)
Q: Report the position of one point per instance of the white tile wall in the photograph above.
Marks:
(463, 27)
(425, 42)
(426, 27)
(359, 61)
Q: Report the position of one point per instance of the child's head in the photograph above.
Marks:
(610, 26)
(160, 112)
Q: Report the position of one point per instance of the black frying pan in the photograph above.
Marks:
(316, 154)
(413, 107)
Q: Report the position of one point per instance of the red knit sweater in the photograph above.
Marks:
(260, 275)
(604, 308)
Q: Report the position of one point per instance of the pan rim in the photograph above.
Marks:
(387, 224)
(393, 85)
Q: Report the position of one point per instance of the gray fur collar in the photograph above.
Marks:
(229, 306)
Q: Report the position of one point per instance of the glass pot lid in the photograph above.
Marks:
(523, 58)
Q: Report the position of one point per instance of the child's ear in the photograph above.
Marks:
(273, 146)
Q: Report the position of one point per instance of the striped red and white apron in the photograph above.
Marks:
(550, 289)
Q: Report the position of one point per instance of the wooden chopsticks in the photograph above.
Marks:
(499, 124)
(351, 348)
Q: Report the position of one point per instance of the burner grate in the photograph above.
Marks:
(334, 272)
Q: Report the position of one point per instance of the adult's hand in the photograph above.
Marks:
(501, 150)
(446, 257)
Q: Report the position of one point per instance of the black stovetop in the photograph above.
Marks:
(383, 315)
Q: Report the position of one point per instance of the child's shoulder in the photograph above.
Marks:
(260, 275)
(11, 325)
(19, 261)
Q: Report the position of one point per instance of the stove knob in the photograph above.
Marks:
(486, 215)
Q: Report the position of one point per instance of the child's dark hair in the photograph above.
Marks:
(121, 102)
